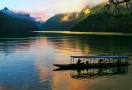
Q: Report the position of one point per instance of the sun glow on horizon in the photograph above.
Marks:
(43, 9)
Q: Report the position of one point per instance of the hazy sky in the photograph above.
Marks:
(46, 8)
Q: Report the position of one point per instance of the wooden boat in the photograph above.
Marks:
(95, 62)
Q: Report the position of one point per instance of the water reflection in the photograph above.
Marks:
(27, 62)
(92, 43)
(16, 42)
(93, 73)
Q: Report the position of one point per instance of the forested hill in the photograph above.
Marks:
(15, 25)
(99, 21)
(63, 22)
(55, 23)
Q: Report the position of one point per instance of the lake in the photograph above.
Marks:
(26, 62)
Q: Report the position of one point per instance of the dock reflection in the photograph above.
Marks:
(92, 73)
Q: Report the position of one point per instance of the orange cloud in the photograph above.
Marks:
(44, 9)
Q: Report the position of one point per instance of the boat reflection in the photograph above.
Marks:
(92, 73)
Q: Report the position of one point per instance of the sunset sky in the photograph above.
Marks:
(47, 8)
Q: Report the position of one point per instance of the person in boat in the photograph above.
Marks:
(79, 61)
(100, 61)
(87, 62)
(118, 61)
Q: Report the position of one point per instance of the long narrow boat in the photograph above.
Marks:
(95, 62)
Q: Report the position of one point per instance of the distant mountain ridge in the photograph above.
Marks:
(10, 24)
(54, 23)
(21, 15)
(62, 22)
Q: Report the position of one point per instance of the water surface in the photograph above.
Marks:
(26, 63)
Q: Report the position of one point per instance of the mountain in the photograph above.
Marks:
(21, 15)
(55, 23)
(10, 24)
(63, 22)
(104, 21)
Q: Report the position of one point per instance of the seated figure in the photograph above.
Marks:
(79, 61)
(87, 62)
(118, 61)
(100, 61)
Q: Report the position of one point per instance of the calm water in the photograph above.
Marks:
(26, 63)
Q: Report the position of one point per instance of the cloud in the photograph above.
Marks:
(65, 6)
(40, 16)
(68, 6)
(44, 9)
